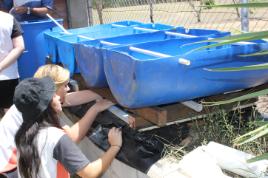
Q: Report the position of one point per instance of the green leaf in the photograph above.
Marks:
(240, 98)
(244, 68)
(252, 135)
(258, 158)
(233, 39)
(262, 4)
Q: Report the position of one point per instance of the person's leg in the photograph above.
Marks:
(7, 88)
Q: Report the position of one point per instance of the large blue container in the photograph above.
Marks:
(89, 56)
(139, 80)
(54, 34)
(61, 45)
(35, 46)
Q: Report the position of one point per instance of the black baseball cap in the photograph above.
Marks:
(32, 96)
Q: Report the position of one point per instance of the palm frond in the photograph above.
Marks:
(252, 135)
(233, 39)
(237, 99)
(258, 158)
(261, 4)
(236, 69)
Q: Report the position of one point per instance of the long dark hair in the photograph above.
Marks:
(26, 142)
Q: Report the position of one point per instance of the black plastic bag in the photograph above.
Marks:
(139, 150)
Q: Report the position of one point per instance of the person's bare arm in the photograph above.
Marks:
(80, 97)
(96, 168)
(77, 131)
(14, 54)
(36, 10)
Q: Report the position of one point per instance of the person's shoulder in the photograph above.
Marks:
(54, 131)
(12, 114)
(5, 14)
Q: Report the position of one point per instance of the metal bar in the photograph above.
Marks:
(244, 17)
(119, 113)
(193, 105)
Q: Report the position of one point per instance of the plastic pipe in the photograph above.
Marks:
(145, 29)
(180, 34)
(59, 25)
(108, 43)
(148, 52)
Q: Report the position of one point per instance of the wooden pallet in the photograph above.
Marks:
(177, 112)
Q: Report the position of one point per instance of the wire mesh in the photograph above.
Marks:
(187, 13)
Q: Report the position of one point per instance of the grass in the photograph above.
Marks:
(222, 127)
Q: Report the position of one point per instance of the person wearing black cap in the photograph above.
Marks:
(40, 141)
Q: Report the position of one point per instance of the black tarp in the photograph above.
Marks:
(139, 150)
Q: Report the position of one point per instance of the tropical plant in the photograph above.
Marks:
(263, 130)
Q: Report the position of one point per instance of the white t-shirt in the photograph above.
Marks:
(6, 45)
(54, 146)
(9, 125)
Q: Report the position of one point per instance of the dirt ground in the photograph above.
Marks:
(182, 14)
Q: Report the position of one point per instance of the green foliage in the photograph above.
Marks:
(224, 128)
(237, 99)
(208, 4)
(260, 4)
(233, 39)
(250, 137)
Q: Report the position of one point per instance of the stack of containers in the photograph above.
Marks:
(61, 45)
(89, 54)
(174, 70)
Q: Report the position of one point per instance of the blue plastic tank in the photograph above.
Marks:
(35, 46)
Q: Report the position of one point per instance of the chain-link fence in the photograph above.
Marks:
(187, 13)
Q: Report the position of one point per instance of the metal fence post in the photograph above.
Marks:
(89, 12)
(151, 11)
(244, 17)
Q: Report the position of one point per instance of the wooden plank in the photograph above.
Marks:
(155, 115)
(161, 115)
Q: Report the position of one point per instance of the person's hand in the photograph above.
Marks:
(131, 122)
(115, 137)
(20, 10)
(101, 105)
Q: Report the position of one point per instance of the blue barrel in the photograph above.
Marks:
(171, 71)
(61, 45)
(35, 46)
(91, 68)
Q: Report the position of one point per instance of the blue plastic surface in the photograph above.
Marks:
(89, 56)
(61, 45)
(35, 46)
(139, 80)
